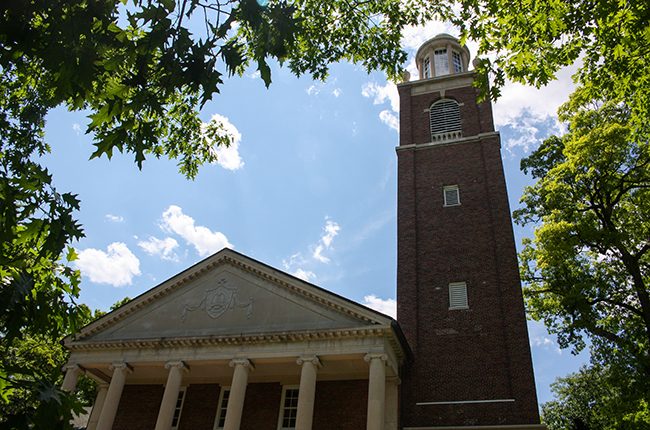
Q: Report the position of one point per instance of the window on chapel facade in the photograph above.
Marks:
(178, 408)
(288, 408)
(220, 419)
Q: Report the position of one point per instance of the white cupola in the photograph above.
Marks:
(441, 56)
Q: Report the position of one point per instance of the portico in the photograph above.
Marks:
(188, 333)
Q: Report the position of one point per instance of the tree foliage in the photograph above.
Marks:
(530, 40)
(142, 69)
(594, 399)
(31, 399)
(587, 269)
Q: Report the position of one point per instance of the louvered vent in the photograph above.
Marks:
(444, 117)
(458, 295)
(451, 195)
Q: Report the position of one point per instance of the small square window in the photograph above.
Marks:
(220, 420)
(451, 195)
(458, 296)
(178, 409)
(288, 408)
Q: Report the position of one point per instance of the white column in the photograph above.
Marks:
(307, 392)
(168, 403)
(237, 393)
(102, 389)
(72, 372)
(112, 400)
(392, 405)
(376, 391)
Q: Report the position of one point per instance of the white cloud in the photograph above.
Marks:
(540, 337)
(164, 248)
(305, 275)
(318, 254)
(330, 231)
(385, 306)
(313, 90)
(227, 156)
(77, 128)
(114, 218)
(414, 36)
(527, 131)
(382, 93)
(336, 92)
(299, 265)
(204, 240)
(539, 103)
(116, 267)
(390, 119)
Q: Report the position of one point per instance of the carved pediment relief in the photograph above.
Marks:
(227, 301)
(219, 300)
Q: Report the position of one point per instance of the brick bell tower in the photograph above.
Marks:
(459, 298)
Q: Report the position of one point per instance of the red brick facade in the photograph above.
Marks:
(481, 353)
(348, 398)
(139, 406)
(200, 407)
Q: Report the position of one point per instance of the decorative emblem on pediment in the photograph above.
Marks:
(219, 300)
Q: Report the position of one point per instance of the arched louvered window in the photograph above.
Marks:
(444, 117)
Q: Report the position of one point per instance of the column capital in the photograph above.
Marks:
(309, 359)
(72, 371)
(72, 367)
(243, 362)
(121, 365)
(180, 365)
(375, 356)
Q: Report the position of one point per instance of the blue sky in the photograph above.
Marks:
(308, 187)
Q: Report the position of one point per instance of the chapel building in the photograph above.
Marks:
(232, 343)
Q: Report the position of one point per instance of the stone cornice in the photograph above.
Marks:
(223, 257)
(244, 339)
(429, 145)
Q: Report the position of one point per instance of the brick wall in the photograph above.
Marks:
(138, 408)
(200, 407)
(341, 405)
(338, 404)
(480, 353)
(261, 407)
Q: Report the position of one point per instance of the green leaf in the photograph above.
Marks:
(265, 72)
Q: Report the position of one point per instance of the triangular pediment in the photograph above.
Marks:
(229, 294)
